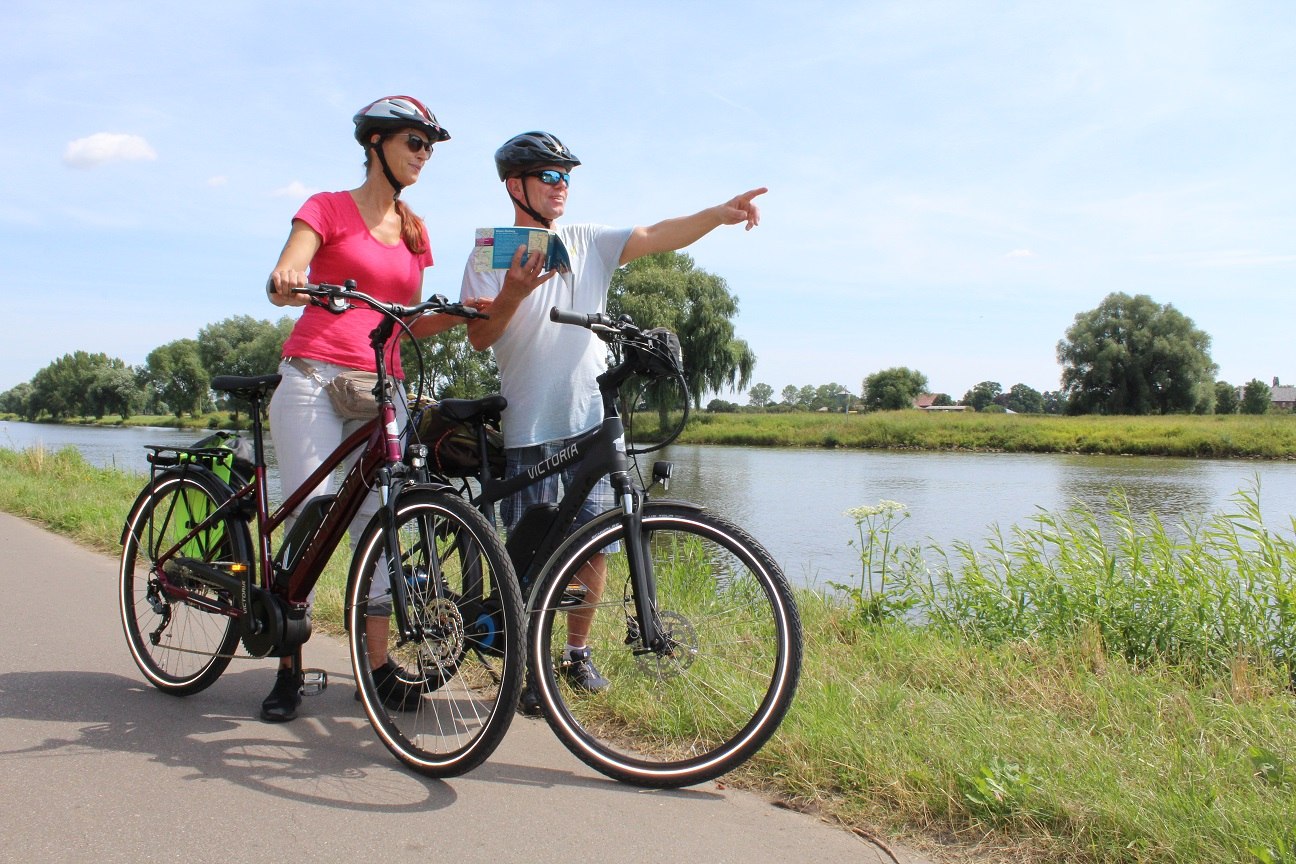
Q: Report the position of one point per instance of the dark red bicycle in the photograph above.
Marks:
(198, 575)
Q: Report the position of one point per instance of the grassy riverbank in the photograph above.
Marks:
(1075, 697)
(1270, 436)
(1266, 436)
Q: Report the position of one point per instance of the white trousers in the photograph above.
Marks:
(306, 430)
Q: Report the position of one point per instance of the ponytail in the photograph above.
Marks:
(412, 230)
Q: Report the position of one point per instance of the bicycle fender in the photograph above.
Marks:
(432, 486)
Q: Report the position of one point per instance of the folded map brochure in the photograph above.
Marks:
(495, 247)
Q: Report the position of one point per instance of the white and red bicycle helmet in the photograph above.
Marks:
(391, 114)
(397, 112)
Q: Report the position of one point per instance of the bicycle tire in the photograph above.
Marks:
(674, 720)
(468, 676)
(180, 647)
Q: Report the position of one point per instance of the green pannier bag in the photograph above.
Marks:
(232, 463)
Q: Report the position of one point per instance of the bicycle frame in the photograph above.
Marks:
(596, 453)
(380, 463)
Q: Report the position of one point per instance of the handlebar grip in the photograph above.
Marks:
(580, 319)
(269, 287)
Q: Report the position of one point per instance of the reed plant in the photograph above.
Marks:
(1200, 596)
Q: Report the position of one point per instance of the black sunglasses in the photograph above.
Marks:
(550, 177)
(417, 143)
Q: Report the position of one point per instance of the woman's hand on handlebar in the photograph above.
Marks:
(280, 285)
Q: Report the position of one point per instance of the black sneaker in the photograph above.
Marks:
(579, 670)
(529, 702)
(284, 699)
(396, 694)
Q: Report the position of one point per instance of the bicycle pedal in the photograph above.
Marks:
(314, 682)
(573, 595)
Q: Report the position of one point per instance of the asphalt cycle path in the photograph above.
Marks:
(98, 766)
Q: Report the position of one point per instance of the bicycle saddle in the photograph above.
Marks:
(246, 387)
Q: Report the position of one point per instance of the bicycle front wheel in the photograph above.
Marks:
(177, 636)
(445, 697)
(712, 693)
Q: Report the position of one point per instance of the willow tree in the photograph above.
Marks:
(668, 290)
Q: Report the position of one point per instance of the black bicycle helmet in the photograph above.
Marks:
(396, 112)
(532, 150)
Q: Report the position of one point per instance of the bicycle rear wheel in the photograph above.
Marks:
(176, 636)
(719, 687)
(462, 667)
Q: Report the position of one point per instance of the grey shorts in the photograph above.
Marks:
(546, 491)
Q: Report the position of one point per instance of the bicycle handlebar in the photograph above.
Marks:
(339, 298)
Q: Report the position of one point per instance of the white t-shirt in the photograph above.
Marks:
(548, 371)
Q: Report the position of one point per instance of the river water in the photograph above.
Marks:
(794, 501)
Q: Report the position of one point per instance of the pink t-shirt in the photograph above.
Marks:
(391, 274)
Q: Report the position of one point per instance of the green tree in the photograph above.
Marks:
(1132, 355)
(1022, 399)
(805, 400)
(759, 396)
(893, 389)
(451, 368)
(1226, 398)
(667, 290)
(1256, 397)
(114, 390)
(943, 399)
(790, 394)
(982, 395)
(176, 375)
(242, 345)
(17, 400)
(65, 387)
(832, 396)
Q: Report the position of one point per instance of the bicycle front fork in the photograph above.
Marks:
(643, 582)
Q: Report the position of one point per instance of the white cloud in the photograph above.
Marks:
(295, 189)
(1020, 253)
(103, 147)
(218, 181)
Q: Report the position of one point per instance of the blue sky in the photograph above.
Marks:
(950, 182)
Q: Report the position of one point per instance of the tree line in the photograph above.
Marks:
(1130, 355)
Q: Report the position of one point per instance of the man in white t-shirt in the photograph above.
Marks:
(548, 370)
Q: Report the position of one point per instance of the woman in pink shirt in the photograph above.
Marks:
(367, 234)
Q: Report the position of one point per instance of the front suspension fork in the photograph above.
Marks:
(643, 581)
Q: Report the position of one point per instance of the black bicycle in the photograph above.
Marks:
(195, 581)
(696, 630)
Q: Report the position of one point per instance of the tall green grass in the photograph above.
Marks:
(1201, 596)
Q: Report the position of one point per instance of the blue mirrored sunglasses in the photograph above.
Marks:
(550, 177)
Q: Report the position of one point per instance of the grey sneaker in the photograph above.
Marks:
(580, 672)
